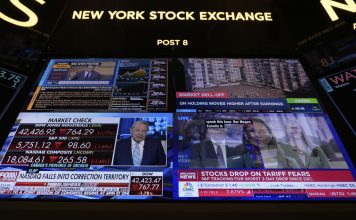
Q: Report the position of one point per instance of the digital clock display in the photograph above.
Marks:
(10, 84)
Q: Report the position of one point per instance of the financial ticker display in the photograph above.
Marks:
(10, 84)
(332, 63)
(82, 155)
(261, 156)
(103, 85)
(242, 129)
(341, 88)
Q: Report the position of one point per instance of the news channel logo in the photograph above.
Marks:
(188, 189)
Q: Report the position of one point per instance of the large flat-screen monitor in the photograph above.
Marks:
(245, 86)
(332, 62)
(241, 129)
(128, 85)
(341, 89)
(10, 84)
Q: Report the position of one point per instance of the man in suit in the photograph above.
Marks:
(139, 150)
(87, 75)
(214, 152)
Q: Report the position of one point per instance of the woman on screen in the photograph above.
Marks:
(300, 151)
(262, 146)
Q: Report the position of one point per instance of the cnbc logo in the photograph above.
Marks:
(32, 17)
(188, 187)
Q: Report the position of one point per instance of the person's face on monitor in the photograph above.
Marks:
(139, 132)
(258, 133)
(90, 68)
(294, 129)
(217, 134)
(194, 133)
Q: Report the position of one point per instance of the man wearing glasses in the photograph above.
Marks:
(139, 150)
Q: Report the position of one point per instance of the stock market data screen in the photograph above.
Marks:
(241, 129)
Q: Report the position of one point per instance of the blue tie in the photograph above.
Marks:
(137, 154)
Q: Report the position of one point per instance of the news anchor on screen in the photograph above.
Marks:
(139, 150)
(87, 75)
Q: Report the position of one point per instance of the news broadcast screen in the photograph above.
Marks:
(88, 156)
(341, 88)
(123, 85)
(246, 86)
(287, 156)
(244, 129)
(332, 63)
(10, 84)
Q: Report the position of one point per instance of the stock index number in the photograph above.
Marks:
(10, 79)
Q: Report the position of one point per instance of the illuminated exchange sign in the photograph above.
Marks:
(171, 15)
(32, 17)
(330, 5)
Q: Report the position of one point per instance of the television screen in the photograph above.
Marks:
(10, 84)
(341, 88)
(246, 86)
(331, 62)
(102, 85)
(243, 129)
(284, 156)
(87, 156)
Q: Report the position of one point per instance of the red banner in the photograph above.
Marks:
(225, 192)
(8, 176)
(205, 95)
(266, 176)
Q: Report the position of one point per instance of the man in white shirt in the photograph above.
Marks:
(139, 150)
